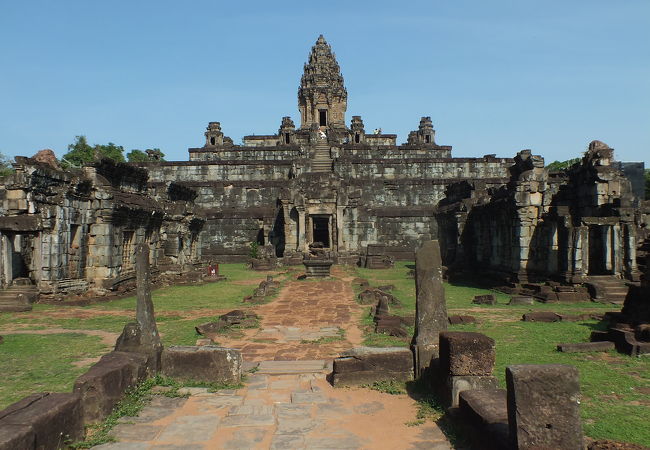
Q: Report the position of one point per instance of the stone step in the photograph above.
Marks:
(293, 367)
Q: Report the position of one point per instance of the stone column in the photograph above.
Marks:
(302, 246)
(543, 407)
(430, 307)
(142, 336)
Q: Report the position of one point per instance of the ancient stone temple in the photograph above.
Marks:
(329, 184)
(324, 182)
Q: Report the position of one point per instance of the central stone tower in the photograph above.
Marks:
(322, 97)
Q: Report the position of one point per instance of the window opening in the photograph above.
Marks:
(287, 138)
(357, 138)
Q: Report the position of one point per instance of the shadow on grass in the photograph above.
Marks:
(431, 407)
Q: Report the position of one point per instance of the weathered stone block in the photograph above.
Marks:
(366, 365)
(486, 410)
(487, 299)
(466, 353)
(14, 437)
(460, 319)
(541, 316)
(202, 363)
(543, 408)
(456, 384)
(581, 347)
(521, 300)
(106, 382)
(53, 419)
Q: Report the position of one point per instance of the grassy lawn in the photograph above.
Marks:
(35, 363)
(44, 362)
(614, 387)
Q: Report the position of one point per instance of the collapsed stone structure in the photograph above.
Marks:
(66, 231)
(356, 194)
(572, 226)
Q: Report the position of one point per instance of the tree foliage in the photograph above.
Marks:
(562, 165)
(150, 154)
(80, 152)
(5, 165)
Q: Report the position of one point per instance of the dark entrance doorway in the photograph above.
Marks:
(598, 251)
(322, 117)
(321, 230)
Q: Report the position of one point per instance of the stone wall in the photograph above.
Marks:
(567, 225)
(67, 231)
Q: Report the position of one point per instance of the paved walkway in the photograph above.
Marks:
(279, 410)
(287, 403)
(308, 320)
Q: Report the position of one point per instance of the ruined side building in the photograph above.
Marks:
(356, 192)
(65, 231)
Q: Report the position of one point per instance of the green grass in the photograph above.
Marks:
(33, 363)
(43, 363)
(613, 404)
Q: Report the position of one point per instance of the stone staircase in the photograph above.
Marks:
(607, 289)
(321, 161)
(19, 296)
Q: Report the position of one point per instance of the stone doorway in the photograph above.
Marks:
(17, 256)
(600, 250)
(321, 230)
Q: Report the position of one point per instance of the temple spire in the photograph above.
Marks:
(322, 97)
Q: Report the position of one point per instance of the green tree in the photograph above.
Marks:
(562, 165)
(80, 152)
(136, 155)
(111, 151)
(150, 154)
(5, 166)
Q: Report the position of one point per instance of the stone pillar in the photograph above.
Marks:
(430, 307)
(608, 247)
(302, 245)
(543, 407)
(142, 336)
(466, 362)
(583, 249)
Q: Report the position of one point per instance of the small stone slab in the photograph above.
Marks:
(202, 363)
(541, 316)
(190, 429)
(308, 397)
(521, 300)
(135, 432)
(364, 365)
(582, 347)
(291, 367)
(460, 319)
(285, 441)
(487, 299)
(248, 420)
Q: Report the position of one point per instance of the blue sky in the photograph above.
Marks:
(495, 76)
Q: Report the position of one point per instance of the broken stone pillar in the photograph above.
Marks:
(142, 336)
(466, 362)
(543, 407)
(430, 307)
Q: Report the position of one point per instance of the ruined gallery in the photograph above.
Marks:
(326, 183)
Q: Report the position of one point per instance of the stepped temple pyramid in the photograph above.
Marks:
(327, 183)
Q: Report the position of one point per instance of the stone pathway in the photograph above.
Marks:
(310, 319)
(285, 405)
